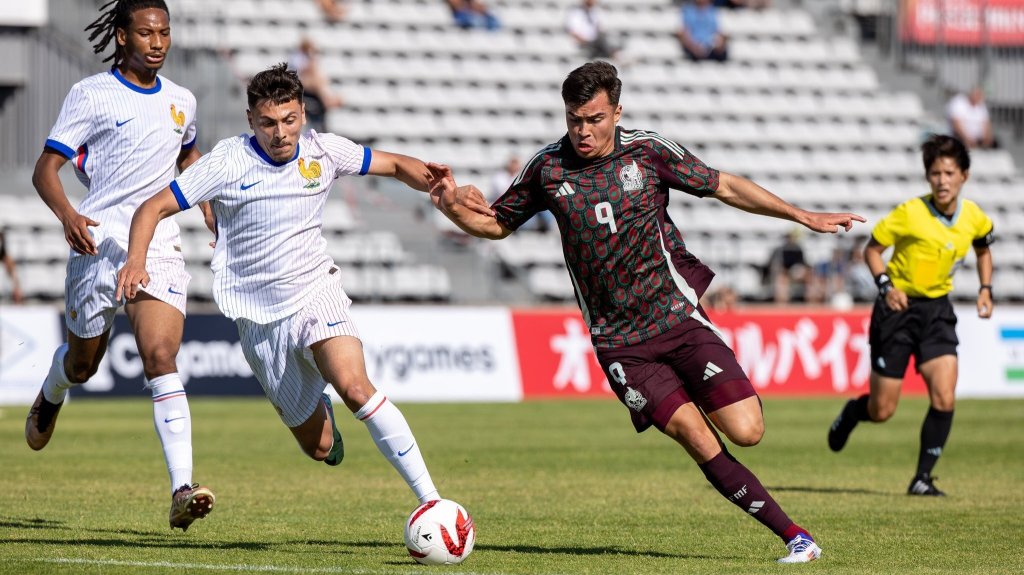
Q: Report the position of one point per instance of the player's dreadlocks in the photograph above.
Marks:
(119, 15)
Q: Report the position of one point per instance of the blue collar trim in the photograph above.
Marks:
(133, 87)
(259, 151)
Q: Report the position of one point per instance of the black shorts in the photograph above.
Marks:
(690, 362)
(926, 330)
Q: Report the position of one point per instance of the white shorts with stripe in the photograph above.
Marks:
(279, 352)
(92, 282)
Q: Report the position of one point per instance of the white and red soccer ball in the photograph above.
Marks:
(440, 532)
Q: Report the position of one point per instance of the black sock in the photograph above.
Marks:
(934, 433)
(860, 408)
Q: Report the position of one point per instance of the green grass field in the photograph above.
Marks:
(554, 487)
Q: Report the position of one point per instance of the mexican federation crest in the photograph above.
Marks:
(632, 177)
(634, 400)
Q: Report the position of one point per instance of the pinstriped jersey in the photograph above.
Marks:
(928, 246)
(124, 142)
(271, 254)
(630, 268)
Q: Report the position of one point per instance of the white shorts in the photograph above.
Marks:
(92, 282)
(279, 352)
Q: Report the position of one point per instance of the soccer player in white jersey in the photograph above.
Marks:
(272, 274)
(125, 130)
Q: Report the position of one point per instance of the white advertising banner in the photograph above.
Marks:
(991, 353)
(427, 354)
(28, 337)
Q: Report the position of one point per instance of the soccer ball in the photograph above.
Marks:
(440, 532)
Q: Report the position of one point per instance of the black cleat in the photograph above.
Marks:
(842, 426)
(41, 420)
(924, 485)
(338, 449)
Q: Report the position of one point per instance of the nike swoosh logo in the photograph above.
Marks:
(175, 419)
(245, 187)
(402, 453)
(174, 292)
(119, 124)
(335, 323)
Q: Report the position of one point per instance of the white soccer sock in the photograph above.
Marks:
(173, 424)
(390, 431)
(56, 384)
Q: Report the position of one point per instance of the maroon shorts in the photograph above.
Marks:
(687, 363)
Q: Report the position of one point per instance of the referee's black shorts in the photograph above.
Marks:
(926, 330)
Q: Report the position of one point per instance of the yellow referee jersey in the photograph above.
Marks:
(927, 247)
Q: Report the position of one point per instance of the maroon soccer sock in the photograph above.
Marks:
(737, 484)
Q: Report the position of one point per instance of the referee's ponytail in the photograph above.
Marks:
(117, 14)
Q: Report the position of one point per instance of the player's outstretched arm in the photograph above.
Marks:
(739, 192)
(415, 174)
(50, 189)
(456, 203)
(144, 223)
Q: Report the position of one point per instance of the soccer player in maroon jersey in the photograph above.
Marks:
(637, 285)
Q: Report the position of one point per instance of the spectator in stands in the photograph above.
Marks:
(12, 271)
(735, 4)
(969, 120)
(319, 97)
(787, 270)
(584, 23)
(334, 11)
(723, 299)
(700, 34)
(859, 282)
(502, 179)
(828, 278)
(636, 284)
(473, 14)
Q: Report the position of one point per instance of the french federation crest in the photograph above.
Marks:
(634, 400)
(632, 177)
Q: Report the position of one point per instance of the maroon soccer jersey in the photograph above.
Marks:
(633, 276)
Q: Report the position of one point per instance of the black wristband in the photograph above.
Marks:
(986, 286)
(884, 284)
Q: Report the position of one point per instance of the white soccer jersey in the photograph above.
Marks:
(271, 254)
(124, 142)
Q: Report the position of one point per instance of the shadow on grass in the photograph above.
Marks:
(536, 550)
(844, 490)
(33, 523)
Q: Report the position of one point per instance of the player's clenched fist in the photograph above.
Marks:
(129, 278)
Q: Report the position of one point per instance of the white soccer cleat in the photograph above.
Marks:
(802, 549)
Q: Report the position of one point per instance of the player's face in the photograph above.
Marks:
(146, 40)
(946, 178)
(592, 126)
(277, 127)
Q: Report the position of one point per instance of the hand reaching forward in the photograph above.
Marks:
(830, 223)
(445, 194)
(129, 278)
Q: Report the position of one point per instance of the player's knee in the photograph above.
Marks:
(355, 392)
(158, 361)
(881, 412)
(747, 435)
(80, 370)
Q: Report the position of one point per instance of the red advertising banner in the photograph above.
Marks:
(964, 22)
(783, 353)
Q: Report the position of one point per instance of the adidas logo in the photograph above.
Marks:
(755, 507)
(564, 190)
(934, 451)
(711, 370)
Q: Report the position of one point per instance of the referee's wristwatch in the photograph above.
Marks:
(884, 284)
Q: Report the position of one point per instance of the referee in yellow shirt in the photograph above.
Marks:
(930, 236)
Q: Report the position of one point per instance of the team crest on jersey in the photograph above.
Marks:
(632, 177)
(179, 119)
(74, 314)
(634, 399)
(310, 172)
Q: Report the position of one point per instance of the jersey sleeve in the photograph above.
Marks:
(523, 198)
(348, 157)
(74, 124)
(985, 231)
(679, 169)
(201, 181)
(892, 226)
(189, 139)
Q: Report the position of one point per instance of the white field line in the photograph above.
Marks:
(243, 568)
